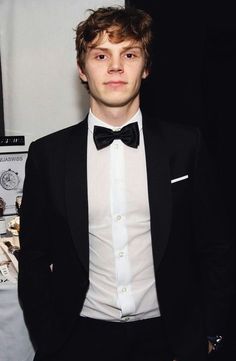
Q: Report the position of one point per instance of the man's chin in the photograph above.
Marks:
(117, 102)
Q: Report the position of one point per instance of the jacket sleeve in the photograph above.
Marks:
(35, 276)
(214, 242)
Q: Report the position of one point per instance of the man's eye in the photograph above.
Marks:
(101, 56)
(129, 55)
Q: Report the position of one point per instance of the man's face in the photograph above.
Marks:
(114, 72)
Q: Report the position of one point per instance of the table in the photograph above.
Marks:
(15, 344)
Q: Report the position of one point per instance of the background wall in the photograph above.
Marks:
(41, 90)
(1, 104)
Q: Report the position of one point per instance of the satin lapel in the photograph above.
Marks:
(159, 190)
(76, 191)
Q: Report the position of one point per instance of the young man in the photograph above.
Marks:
(124, 253)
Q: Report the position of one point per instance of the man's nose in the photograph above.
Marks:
(115, 65)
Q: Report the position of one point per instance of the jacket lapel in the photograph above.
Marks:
(159, 190)
(76, 191)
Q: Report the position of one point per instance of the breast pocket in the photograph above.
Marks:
(179, 179)
(181, 192)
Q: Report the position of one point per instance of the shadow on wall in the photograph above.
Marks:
(81, 95)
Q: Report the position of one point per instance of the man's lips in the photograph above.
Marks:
(115, 82)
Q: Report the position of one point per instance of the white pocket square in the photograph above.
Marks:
(179, 179)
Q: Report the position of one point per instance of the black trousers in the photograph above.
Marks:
(97, 340)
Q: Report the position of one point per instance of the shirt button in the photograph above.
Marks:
(124, 289)
(121, 254)
(118, 218)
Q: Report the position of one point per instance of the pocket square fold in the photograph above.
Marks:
(179, 179)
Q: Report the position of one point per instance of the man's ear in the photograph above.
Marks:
(145, 73)
(82, 75)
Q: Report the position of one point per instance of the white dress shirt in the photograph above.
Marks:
(121, 272)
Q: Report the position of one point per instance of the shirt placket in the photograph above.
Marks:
(119, 231)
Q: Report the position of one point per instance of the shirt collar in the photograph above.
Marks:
(93, 120)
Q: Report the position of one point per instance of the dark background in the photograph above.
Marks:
(193, 81)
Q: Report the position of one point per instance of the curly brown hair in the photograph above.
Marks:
(120, 23)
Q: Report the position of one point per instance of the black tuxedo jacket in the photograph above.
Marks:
(191, 245)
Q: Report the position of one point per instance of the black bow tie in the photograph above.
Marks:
(104, 136)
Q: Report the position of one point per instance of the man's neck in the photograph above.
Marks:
(114, 116)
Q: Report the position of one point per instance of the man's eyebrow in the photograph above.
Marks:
(132, 47)
(125, 48)
(94, 47)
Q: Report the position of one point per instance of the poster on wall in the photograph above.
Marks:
(12, 174)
